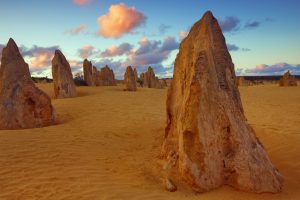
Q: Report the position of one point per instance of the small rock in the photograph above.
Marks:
(288, 80)
(170, 186)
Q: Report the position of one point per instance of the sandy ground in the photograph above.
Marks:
(107, 143)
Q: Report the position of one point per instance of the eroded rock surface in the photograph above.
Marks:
(288, 80)
(22, 104)
(107, 77)
(149, 80)
(64, 86)
(88, 72)
(129, 79)
(135, 75)
(241, 81)
(96, 76)
(206, 126)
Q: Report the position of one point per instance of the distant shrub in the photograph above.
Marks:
(79, 80)
(41, 79)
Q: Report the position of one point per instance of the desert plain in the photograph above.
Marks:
(107, 142)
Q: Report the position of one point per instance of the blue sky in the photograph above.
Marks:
(262, 35)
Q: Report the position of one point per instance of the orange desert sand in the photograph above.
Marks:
(107, 143)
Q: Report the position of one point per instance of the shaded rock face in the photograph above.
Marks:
(288, 80)
(206, 127)
(107, 77)
(135, 74)
(88, 72)
(96, 76)
(22, 104)
(63, 82)
(143, 80)
(129, 80)
(149, 80)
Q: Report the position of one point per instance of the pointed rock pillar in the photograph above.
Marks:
(22, 104)
(208, 142)
(64, 86)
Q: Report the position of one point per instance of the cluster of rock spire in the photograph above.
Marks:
(208, 142)
(94, 77)
(288, 80)
(146, 80)
(23, 105)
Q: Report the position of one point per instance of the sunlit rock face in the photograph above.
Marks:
(288, 80)
(149, 80)
(208, 142)
(107, 77)
(64, 86)
(22, 104)
(129, 79)
(96, 76)
(88, 72)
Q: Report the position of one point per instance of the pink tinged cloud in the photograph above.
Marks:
(41, 59)
(276, 69)
(152, 52)
(119, 20)
(77, 30)
(117, 50)
(38, 57)
(182, 34)
(81, 2)
(86, 51)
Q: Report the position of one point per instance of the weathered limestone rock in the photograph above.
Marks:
(149, 80)
(143, 80)
(206, 126)
(88, 72)
(163, 83)
(22, 104)
(63, 82)
(158, 84)
(135, 75)
(107, 77)
(129, 80)
(242, 82)
(96, 76)
(170, 186)
(288, 80)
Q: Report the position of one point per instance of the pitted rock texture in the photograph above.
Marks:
(64, 86)
(22, 104)
(129, 80)
(88, 72)
(107, 77)
(206, 126)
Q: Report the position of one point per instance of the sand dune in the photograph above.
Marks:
(107, 143)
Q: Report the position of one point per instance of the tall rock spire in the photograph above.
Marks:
(64, 86)
(129, 79)
(22, 104)
(207, 141)
(88, 72)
